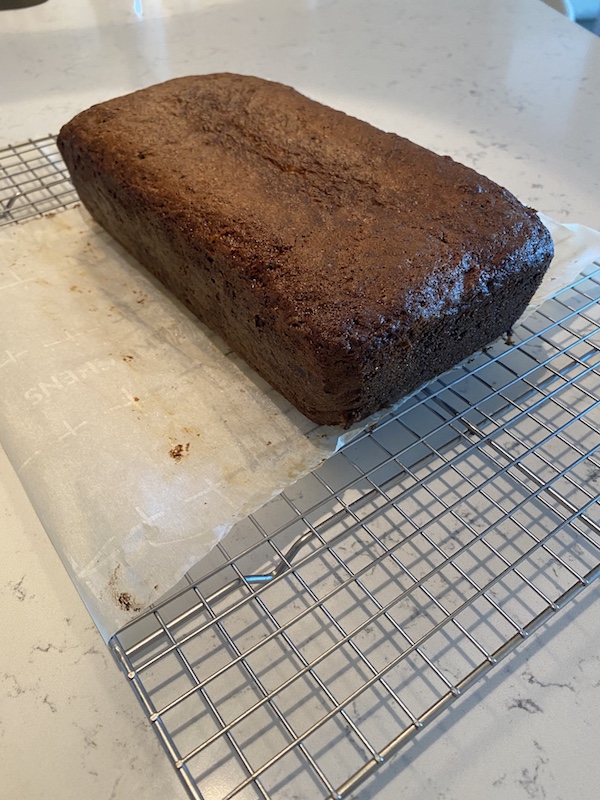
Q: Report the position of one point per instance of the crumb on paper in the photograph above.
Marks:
(178, 451)
(127, 602)
(128, 358)
(124, 600)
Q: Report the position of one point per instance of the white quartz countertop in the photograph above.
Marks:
(511, 88)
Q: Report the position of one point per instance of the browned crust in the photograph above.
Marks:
(345, 264)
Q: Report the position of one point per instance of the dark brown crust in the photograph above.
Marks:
(346, 265)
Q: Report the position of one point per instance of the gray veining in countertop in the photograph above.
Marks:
(70, 726)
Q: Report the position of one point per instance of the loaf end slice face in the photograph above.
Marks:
(346, 265)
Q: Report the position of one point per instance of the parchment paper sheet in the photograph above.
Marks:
(139, 438)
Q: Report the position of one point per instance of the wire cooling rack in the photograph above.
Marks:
(331, 626)
(328, 628)
(33, 181)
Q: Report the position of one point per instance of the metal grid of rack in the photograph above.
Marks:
(33, 181)
(331, 626)
(328, 628)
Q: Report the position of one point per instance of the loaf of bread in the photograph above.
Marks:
(346, 265)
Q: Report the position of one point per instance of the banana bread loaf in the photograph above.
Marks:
(345, 264)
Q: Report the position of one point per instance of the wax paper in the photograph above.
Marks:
(139, 437)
